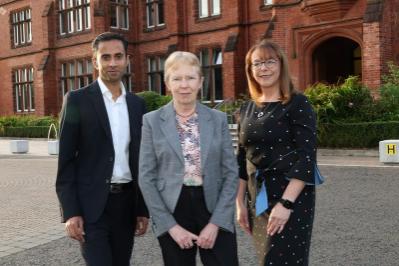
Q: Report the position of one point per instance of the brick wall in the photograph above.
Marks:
(298, 28)
(395, 31)
(371, 54)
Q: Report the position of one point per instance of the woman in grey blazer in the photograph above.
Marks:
(188, 172)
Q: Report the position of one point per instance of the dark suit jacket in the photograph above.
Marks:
(86, 157)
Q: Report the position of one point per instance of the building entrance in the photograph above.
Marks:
(335, 59)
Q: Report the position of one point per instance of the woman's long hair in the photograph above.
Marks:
(285, 83)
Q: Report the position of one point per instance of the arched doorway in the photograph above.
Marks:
(335, 59)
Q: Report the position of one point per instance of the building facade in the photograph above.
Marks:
(46, 44)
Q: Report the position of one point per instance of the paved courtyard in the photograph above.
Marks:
(29, 215)
(357, 215)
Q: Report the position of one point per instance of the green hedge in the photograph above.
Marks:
(356, 135)
(27, 120)
(26, 132)
(154, 100)
(27, 126)
(333, 134)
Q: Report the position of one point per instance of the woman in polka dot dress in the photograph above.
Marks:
(277, 152)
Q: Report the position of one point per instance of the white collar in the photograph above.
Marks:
(105, 90)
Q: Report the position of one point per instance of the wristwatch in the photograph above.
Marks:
(287, 203)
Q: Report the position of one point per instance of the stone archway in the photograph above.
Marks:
(334, 59)
(310, 39)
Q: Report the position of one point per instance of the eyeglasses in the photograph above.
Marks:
(270, 63)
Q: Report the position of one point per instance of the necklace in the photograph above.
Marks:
(186, 116)
(263, 111)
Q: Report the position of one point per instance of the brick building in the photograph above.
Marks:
(45, 49)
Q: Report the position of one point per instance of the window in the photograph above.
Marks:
(119, 14)
(23, 89)
(155, 16)
(21, 27)
(76, 74)
(127, 78)
(155, 74)
(208, 8)
(268, 2)
(211, 61)
(74, 16)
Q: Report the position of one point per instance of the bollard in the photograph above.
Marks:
(388, 150)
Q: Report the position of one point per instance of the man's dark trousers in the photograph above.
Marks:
(112, 235)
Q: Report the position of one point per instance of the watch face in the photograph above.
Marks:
(287, 204)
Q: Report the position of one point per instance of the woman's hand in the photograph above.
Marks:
(242, 212)
(208, 236)
(242, 217)
(277, 219)
(182, 237)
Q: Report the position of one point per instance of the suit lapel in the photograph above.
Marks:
(168, 128)
(97, 100)
(206, 132)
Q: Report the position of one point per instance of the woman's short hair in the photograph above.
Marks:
(285, 83)
(178, 58)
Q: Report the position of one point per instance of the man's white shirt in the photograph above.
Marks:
(120, 128)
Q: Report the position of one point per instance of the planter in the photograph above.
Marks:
(19, 146)
(53, 145)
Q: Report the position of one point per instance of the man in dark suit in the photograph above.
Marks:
(97, 185)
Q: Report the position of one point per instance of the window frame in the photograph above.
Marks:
(21, 27)
(268, 2)
(211, 66)
(210, 8)
(127, 77)
(153, 7)
(119, 7)
(74, 81)
(157, 73)
(74, 17)
(23, 89)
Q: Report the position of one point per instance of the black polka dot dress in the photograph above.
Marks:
(267, 134)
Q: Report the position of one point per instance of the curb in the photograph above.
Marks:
(32, 139)
(348, 152)
(320, 151)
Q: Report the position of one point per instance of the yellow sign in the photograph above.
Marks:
(391, 149)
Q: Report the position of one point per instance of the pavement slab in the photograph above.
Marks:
(356, 221)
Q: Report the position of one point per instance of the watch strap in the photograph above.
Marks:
(286, 203)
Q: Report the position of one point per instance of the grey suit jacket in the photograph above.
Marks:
(161, 166)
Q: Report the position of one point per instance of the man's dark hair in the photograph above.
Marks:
(108, 36)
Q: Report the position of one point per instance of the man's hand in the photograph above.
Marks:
(208, 236)
(182, 237)
(74, 228)
(141, 226)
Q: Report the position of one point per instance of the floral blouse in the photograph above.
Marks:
(190, 142)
